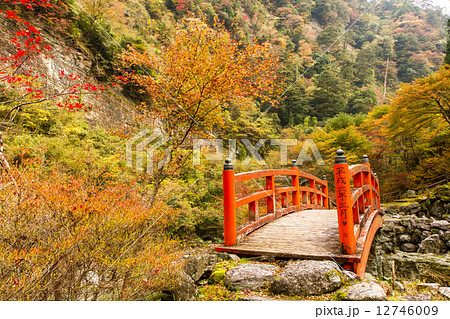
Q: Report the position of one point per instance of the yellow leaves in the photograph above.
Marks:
(421, 103)
(199, 73)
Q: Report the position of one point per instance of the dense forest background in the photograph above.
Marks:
(365, 76)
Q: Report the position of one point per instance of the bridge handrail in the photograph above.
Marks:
(246, 176)
(363, 198)
(302, 198)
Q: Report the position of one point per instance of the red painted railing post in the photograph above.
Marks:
(270, 185)
(344, 204)
(229, 210)
(365, 161)
(359, 205)
(312, 195)
(326, 200)
(296, 184)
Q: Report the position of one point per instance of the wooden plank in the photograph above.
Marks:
(249, 227)
(310, 234)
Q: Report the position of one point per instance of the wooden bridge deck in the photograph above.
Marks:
(308, 234)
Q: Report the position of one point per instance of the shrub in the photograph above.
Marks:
(68, 238)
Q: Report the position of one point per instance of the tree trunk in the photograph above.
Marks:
(385, 77)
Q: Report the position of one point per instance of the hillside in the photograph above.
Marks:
(117, 116)
(387, 42)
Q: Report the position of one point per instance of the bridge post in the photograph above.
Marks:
(296, 184)
(326, 200)
(344, 205)
(365, 162)
(270, 185)
(229, 210)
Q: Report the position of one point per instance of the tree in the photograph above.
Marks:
(420, 103)
(23, 83)
(331, 95)
(362, 101)
(193, 79)
(447, 54)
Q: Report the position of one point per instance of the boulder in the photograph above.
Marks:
(185, 291)
(410, 192)
(424, 223)
(226, 256)
(200, 266)
(391, 209)
(400, 230)
(250, 276)
(399, 286)
(350, 275)
(425, 234)
(416, 236)
(308, 277)
(437, 209)
(419, 297)
(445, 291)
(411, 225)
(441, 224)
(256, 298)
(431, 244)
(365, 291)
(404, 238)
(414, 208)
(263, 258)
(447, 235)
(369, 277)
(409, 248)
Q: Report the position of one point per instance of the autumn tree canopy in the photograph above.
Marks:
(193, 79)
(422, 102)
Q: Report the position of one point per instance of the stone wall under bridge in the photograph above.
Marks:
(414, 241)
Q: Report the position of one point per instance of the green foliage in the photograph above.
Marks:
(98, 39)
(339, 295)
(344, 120)
(218, 276)
(215, 293)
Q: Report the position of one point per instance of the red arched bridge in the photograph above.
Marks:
(295, 220)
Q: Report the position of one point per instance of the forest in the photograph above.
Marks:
(79, 222)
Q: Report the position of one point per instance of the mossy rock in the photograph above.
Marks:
(215, 293)
(339, 295)
(218, 276)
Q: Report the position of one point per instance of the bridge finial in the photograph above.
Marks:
(228, 166)
(365, 159)
(324, 177)
(340, 158)
(294, 163)
(376, 176)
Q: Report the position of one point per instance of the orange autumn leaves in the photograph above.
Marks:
(69, 238)
(421, 103)
(196, 76)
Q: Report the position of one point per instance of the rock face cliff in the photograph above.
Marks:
(110, 109)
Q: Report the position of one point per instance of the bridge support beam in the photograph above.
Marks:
(344, 204)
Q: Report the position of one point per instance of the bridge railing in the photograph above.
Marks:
(291, 199)
(357, 198)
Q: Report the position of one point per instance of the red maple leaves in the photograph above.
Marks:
(21, 72)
